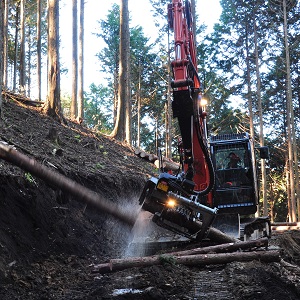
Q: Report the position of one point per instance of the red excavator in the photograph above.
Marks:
(217, 183)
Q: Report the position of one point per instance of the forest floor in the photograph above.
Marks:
(49, 241)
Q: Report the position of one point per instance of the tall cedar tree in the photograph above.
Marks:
(2, 4)
(73, 111)
(53, 105)
(39, 47)
(80, 100)
(22, 47)
(119, 131)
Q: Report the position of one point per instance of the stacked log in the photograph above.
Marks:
(167, 163)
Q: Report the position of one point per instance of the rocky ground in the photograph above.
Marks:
(49, 241)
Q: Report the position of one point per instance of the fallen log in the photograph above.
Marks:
(79, 192)
(225, 248)
(21, 98)
(220, 237)
(284, 226)
(188, 260)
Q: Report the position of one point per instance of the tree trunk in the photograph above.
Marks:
(2, 5)
(138, 143)
(261, 127)
(5, 43)
(79, 192)
(22, 47)
(53, 99)
(28, 81)
(249, 94)
(81, 62)
(39, 48)
(188, 260)
(120, 125)
(225, 248)
(290, 121)
(73, 110)
(16, 45)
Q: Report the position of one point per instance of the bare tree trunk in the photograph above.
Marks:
(290, 120)
(81, 62)
(22, 47)
(39, 48)
(53, 108)
(288, 188)
(261, 127)
(169, 107)
(73, 111)
(249, 96)
(139, 110)
(128, 122)
(28, 81)
(5, 43)
(119, 131)
(116, 89)
(2, 5)
(16, 45)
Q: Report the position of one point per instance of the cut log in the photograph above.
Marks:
(168, 165)
(153, 158)
(189, 260)
(144, 155)
(220, 237)
(79, 192)
(137, 151)
(284, 226)
(225, 248)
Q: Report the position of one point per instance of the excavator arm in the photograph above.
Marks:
(186, 103)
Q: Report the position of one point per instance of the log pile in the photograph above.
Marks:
(220, 254)
(168, 164)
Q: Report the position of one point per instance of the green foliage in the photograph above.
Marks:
(110, 33)
(29, 178)
(97, 108)
(148, 77)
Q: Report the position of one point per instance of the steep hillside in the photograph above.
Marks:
(37, 220)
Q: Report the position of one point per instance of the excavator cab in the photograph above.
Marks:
(235, 189)
(235, 192)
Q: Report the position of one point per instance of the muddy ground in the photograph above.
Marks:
(49, 241)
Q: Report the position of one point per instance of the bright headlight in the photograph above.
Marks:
(171, 203)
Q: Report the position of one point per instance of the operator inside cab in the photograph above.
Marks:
(234, 161)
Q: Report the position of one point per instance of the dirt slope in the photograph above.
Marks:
(48, 241)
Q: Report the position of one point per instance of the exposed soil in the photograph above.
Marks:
(49, 241)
